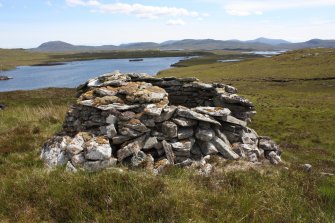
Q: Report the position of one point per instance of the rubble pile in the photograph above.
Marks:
(150, 122)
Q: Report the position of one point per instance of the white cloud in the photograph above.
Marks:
(259, 7)
(139, 10)
(176, 22)
(75, 2)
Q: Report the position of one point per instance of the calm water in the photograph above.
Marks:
(269, 53)
(230, 60)
(74, 73)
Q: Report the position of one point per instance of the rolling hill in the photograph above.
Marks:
(273, 42)
(190, 44)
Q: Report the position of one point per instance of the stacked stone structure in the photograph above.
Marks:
(150, 122)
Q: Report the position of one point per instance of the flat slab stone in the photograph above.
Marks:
(232, 99)
(224, 149)
(213, 111)
(166, 114)
(184, 145)
(120, 107)
(153, 109)
(184, 122)
(234, 120)
(131, 148)
(187, 113)
(134, 124)
(169, 152)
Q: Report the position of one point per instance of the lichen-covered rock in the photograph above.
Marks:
(98, 149)
(149, 122)
(170, 129)
(130, 148)
(187, 113)
(150, 143)
(54, 151)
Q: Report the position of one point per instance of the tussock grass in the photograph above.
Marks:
(33, 194)
(30, 119)
(22, 129)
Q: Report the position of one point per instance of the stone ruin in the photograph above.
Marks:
(149, 122)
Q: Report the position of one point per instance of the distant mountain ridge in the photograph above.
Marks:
(273, 42)
(190, 44)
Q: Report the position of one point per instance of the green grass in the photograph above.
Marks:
(299, 115)
(9, 59)
(214, 57)
(308, 63)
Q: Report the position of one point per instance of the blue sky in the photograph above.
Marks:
(96, 22)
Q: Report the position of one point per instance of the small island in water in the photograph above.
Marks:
(4, 78)
(135, 60)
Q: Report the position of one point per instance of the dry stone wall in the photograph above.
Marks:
(150, 122)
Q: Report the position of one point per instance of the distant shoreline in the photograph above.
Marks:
(20, 57)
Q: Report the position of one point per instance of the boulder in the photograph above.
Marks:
(184, 133)
(160, 165)
(307, 167)
(130, 148)
(138, 158)
(150, 143)
(54, 152)
(76, 145)
(98, 149)
(208, 148)
(166, 114)
(169, 152)
(170, 129)
(70, 168)
(152, 109)
(2, 107)
(78, 160)
(183, 147)
(224, 149)
(204, 134)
